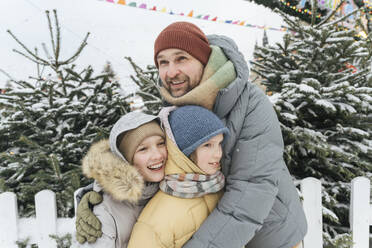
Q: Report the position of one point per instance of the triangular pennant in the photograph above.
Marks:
(143, 6)
(121, 2)
(133, 4)
(206, 17)
(242, 23)
(110, 1)
(154, 8)
(214, 19)
(228, 21)
(236, 22)
(191, 13)
(182, 14)
(163, 10)
(199, 16)
(171, 12)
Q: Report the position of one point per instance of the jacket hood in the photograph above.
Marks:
(112, 172)
(228, 96)
(127, 122)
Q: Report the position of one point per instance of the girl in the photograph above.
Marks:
(127, 176)
(193, 182)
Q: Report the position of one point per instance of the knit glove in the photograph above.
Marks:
(88, 226)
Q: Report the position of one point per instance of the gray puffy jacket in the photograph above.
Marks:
(261, 207)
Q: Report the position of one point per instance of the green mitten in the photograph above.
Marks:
(88, 226)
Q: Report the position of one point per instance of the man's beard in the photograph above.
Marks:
(184, 89)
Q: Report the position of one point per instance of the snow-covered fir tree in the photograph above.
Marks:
(322, 82)
(48, 123)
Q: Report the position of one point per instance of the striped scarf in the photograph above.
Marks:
(192, 185)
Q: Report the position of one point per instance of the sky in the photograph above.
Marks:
(119, 30)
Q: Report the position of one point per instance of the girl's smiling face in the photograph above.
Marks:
(150, 157)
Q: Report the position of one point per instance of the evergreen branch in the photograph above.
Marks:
(51, 32)
(354, 75)
(75, 56)
(7, 74)
(293, 24)
(53, 161)
(51, 96)
(58, 29)
(25, 84)
(27, 50)
(42, 62)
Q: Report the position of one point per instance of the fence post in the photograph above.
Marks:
(75, 202)
(46, 218)
(8, 220)
(311, 189)
(360, 211)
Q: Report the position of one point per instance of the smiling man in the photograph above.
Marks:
(260, 207)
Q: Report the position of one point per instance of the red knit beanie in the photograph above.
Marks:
(185, 36)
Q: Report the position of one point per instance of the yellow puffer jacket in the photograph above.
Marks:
(168, 221)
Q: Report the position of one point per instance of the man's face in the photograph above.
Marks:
(179, 71)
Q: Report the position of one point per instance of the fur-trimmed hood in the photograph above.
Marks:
(116, 176)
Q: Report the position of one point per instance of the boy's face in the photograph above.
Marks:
(209, 154)
(150, 157)
(179, 71)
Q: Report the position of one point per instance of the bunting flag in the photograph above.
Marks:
(204, 17)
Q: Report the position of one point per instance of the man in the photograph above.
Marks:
(260, 206)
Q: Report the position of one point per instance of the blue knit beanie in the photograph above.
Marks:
(193, 125)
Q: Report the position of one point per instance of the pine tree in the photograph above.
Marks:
(323, 87)
(48, 124)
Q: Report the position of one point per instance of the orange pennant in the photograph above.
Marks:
(191, 13)
(242, 23)
(121, 2)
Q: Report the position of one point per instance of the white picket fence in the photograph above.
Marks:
(38, 229)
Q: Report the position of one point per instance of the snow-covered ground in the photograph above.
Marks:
(118, 30)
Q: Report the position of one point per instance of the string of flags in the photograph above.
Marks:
(193, 15)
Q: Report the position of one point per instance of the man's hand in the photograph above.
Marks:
(88, 226)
